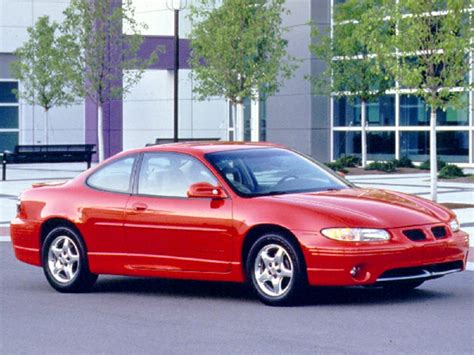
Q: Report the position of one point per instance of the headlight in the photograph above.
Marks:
(356, 234)
(454, 225)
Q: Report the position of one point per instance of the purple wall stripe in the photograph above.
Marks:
(113, 111)
(166, 57)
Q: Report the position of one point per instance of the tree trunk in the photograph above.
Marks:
(231, 122)
(363, 123)
(255, 118)
(46, 126)
(100, 132)
(239, 122)
(433, 156)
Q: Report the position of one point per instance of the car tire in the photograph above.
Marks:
(402, 286)
(64, 260)
(276, 270)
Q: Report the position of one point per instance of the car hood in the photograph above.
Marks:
(355, 207)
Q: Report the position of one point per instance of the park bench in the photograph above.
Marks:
(57, 153)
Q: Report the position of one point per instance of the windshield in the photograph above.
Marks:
(272, 171)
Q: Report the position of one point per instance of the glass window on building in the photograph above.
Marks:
(452, 146)
(380, 145)
(247, 123)
(382, 111)
(9, 115)
(454, 116)
(263, 120)
(346, 112)
(413, 111)
(347, 143)
(7, 92)
(415, 145)
(437, 5)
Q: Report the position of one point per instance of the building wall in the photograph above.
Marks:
(295, 117)
(66, 125)
(148, 111)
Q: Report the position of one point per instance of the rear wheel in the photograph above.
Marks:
(276, 270)
(65, 261)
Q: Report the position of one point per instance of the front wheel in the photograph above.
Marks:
(65, 261)
(276, 270)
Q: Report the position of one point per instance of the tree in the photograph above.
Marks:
(103, 52)
(43, 69)
(430, 55)
(351, 70)
(238, 51)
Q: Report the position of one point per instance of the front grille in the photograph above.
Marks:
(414, 234)
(439, 232)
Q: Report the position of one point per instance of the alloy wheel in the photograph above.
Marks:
(273, 270)
(63, 259)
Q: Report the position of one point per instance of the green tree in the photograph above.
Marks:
(351, 70)
(238, 51)
(103, 52)
(430, 55)
(43, 69)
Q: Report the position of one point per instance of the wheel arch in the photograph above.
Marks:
(258, 230)
(53, 222)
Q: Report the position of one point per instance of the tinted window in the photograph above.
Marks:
(7, 94)
(8, 140)
(8, 117)
(171, 174)
(254, 172)
(115, 176)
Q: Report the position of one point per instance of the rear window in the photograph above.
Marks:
(115, 176)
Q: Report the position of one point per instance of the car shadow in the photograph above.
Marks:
(367, 295)
(314, 296)
(173, 287)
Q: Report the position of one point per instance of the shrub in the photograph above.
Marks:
(403, 162)
(450, 171)
(337, 166)
(426, 164)
(388, 167)
(349, 161)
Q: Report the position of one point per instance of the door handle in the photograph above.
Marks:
(139, 206)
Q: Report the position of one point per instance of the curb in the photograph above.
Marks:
(4, 230)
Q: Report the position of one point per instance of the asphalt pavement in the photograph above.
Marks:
(142, 316)
(136, 315)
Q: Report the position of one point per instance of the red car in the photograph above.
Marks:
(232, 212)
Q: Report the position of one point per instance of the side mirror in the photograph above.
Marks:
(206, 190)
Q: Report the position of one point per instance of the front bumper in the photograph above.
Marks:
(333, 263)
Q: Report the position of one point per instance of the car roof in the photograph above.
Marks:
(202, 148)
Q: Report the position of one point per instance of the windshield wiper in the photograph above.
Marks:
(272, 193)
(279, 192)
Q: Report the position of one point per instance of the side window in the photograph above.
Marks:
(113, 177)
(171, 174)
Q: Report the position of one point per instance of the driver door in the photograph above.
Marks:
(166, 231)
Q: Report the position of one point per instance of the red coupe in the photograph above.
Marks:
(238, 212)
